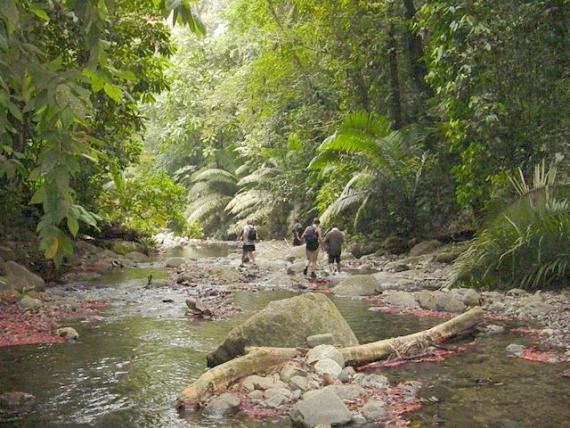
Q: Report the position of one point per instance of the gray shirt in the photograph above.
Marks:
(333, 241)
(245, 234)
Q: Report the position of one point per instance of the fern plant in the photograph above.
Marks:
(387, 168)
(526, 244)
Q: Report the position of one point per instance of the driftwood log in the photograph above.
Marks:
(262, 359)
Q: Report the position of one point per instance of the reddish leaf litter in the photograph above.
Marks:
(496, 316)
(21, 327)
(436, 354)
(400, 399)
(566, 373)
(526, 330)
(532, 354)
(417, 312)
(257, 412)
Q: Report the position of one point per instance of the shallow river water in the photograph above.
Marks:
(128, 367)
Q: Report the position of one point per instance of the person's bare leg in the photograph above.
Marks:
(252, 257)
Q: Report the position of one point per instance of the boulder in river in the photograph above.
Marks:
(400, 298)
(321, 408)
(394, 281)
(125, 247)
(286, 323)
(222, 406)
(69, 333)
(425, 247)
(20, 278)
(175, 262)
(396, 245)
(15, 402)
(357, 285)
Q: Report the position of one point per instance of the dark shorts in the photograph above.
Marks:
(297, 242)
(248, 248)
(334, 258)
(313, 246)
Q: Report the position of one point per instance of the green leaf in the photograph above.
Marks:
(40, 13)
(52, 248)
(11, 16)
(72, 225)
(113, 91)
(39, 196)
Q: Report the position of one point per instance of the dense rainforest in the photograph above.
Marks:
(390, 118)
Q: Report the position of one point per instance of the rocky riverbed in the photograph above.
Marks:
(202, 281)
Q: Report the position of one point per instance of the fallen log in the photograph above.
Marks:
(261, 359)
(217, 379)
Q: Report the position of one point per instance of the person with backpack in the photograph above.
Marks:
(312, 237)
(332, 243)
(297, 232)
(248, 236)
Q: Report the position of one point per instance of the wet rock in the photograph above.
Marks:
(347, 374)
(358, 419)
(323, 407)
(328, 366)
(396, 245)
(175, 262)
(374, 410)
(224, 273)
(346, 392)
(396, 267)
(222, 406)
(357, 285)
(16, 402)
(69, 333)
(468, 296)
(517, 292)
(295, 268)
(390, 281)
(31, 304)
(492, 329)
(320, 339)
(372, 380)
(399, 298)
(359, 250)
(425, 247)
(125, 247)
(322, 352)
(514, 348)
(286, 323)
(534, 306)
(255, 395)
(263, 383)
(290, 370)
(447, 303)
(275, 397)
(20, 278)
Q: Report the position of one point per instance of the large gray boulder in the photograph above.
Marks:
(400, 298)
(18, 277)
(321, 408)
(126, 247)
(286, 323)
(357, 285)
(222, 406)
(393, 281)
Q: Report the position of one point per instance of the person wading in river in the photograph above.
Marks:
(312, 237)
(332, 243)
(297, 232)
(248, 236)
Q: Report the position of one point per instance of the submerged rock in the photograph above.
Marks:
(286, 323)
(399, 298)
(69, 333)
(514, 348)
(321, 408)
(222, 406)
(357, 285)
(15, 402)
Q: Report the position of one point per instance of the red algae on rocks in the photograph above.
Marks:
(24, 327)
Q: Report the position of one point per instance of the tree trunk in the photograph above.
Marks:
(395, 103)
(259, 360)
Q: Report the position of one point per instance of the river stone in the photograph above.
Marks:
(374, 410)
(328, 366)
(325, 351)
(514, 348)
(392, 281)
(356, 285)
(222, 406)
(290, 370)
(30, 304)
(69, 333)
(396, 267)
(125, 247)
(447, 303)
(534, 306)
(262, 382)
(275, 397)
(286, 323)
(323, 407)
(425, 247)
(467, 295)
(320, 339)
(396, 245)
(295, 268)
(302, 383)
(255, 395)
(20, 278)
(372, 380)
(347, 392)
(175, 262)
(347, 374)
(399, 298)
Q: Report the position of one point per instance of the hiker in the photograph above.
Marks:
(297, 232)
(312, 237)
(332, 243)
(248, 235)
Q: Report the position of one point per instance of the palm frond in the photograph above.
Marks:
(347, 200)
(203, 206)
(214, 174)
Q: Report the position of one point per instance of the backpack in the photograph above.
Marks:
(311, 235)
(252, 234)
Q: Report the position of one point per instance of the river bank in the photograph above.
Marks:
(210, 271)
